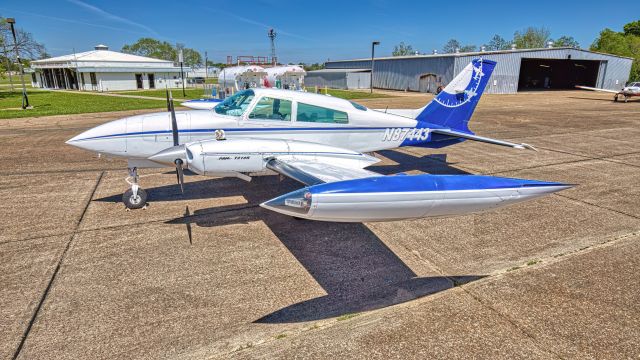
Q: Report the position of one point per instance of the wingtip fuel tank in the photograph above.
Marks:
(387, 198)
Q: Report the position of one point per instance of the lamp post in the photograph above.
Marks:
(25, 98)
(373, 48)
(181, 60)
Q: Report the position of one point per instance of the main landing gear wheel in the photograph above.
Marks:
(137, 201)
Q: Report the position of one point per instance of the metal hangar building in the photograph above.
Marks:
(517, 70)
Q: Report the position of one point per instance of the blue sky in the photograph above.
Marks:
(307, 31)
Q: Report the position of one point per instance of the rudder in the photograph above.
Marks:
(454, 106)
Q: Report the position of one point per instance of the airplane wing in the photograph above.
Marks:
(482, 139)
(597, 89)
(314, 172)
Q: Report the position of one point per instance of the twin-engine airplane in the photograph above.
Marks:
(631, 90)
(323, 143)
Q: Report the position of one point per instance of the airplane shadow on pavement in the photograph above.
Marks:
(355, 268)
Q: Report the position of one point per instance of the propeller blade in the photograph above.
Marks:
(180, 174)
(168, 103)
(174, 122)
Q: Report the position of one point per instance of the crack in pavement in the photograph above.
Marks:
(43, 298)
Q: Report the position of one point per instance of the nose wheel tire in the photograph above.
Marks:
(134, 202)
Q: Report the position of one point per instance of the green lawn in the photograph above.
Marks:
(211, 81)
(47, 103)
(4, 82)
(192, 93)
(349, 94)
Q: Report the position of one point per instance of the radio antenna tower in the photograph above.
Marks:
(272, 37)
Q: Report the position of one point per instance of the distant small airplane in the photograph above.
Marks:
(631, 90)
(322, 142)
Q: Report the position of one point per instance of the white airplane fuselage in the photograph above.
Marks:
(138, 137)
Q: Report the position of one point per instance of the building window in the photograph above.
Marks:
(272, 109)
(317, 114)
(94, 81)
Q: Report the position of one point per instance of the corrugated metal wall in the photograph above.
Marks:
(404, 72)
(338, 80)
(358, 80)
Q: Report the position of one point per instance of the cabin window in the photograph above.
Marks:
(317, 114)
(272, 109)
(235, 105)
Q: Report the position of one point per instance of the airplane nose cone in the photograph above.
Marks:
(109, 138)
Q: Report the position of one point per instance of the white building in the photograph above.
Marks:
(105, 70)
(210, 71)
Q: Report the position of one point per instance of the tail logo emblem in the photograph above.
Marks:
(454, 95)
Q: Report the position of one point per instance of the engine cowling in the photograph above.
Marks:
(216, 157)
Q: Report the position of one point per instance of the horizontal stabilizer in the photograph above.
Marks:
(474, 137)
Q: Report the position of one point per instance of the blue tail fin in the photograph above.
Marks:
(453, 107)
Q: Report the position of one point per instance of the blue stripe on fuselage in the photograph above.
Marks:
(425, 126)
(212, 131)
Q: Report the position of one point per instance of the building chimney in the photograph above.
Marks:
(513, 46)
(550, 44)
(435, 52)
(483, 48)
(457, 50)
(101, 47)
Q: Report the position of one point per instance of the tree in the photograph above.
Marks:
(623, 44)
(566, 41)
(311, 67)
(531, 38)
(192, 58)
(468, 48)
(451, 46)
(632, 28)
(454, 45)
(498, 43)
(163, 50)
(28, 47)
(402, 50)
(152, 48)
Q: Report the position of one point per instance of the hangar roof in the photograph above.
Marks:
(323, 71)
(102, 55)
(479, 53)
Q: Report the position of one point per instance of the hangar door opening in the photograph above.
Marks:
(558, 74)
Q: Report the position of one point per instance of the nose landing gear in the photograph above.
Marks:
(136, 197)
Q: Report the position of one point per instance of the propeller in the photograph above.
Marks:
(176, 140)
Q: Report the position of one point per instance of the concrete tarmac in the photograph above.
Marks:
(209, 274)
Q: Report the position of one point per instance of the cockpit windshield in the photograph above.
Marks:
(236, 104)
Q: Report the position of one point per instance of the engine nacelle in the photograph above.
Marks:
(220, 157)
(249, 155)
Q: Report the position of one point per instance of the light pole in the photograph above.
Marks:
(373, 48)
(180, 60)
(25, 98)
